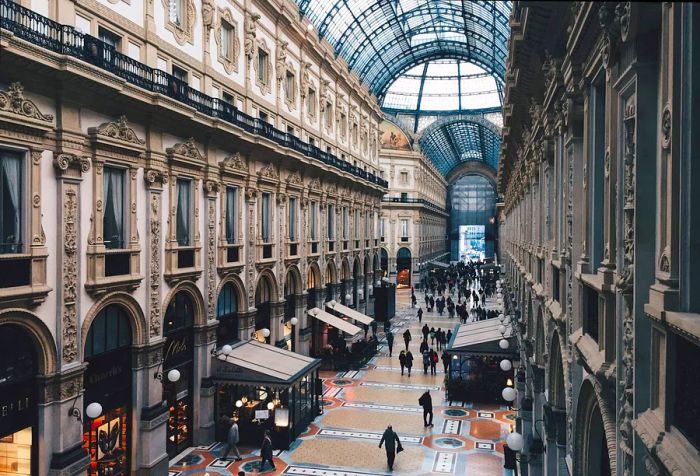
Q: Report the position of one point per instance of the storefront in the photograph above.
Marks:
(263, 297)
(266, 388)
(477, 351)
(108, 382)
(18, 397)
(178, 354)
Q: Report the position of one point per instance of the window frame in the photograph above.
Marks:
(22, 211)
(190, 213)
(231, 190)
(110, 168)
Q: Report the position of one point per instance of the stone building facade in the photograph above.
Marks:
(193, 171)
(597, 235)
(413, 219)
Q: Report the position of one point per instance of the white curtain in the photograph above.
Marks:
(116, 179)
(231, 215)
(265, 228)
(11, 170)
(183, 212)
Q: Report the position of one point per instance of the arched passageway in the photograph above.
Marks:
(403, 267)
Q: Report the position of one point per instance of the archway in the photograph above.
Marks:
(384, 261)
(264, 294)
(178, 354)
(369, 278)
(344, 281)
(403, 267)
(19, 432)
(356, 279)
(539, 338)
(313, 285)
(292, 289)
(592, 449)
(228, 305)
(473, 226)
(108, 381)
(331, 279)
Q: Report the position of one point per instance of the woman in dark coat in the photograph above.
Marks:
(402, 360)
(409, 362)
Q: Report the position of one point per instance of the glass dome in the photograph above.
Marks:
(444, 85)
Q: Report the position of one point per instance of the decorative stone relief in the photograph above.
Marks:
(251, 21)
(230, 62)
(235, 162)
(666, 126)
(323, 93)
(305, 82)
(207, 18)
(610, 23)
(120, 130)
(251, 195)
(13, 101)
(70, 274)
(315, 184)
(187, 149)
(63, 161)
(155, 245)
(281, 61)
(268, 171)
(625, 286)
(294, 178)
(211, 259)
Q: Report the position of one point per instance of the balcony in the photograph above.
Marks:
(66, 40)
(420, 201)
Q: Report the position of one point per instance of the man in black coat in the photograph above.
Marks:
(426, 401)
(392, 445)
(266, 451)
(407, 337)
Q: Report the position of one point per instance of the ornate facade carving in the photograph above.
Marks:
(119, 130)
(281, 61)
(154, 281)
(268, 172)
(211, 258)
(235, 162)
(187, 149)
(305, 81)
(230, 60)
(63, 161)
(249, 45)
(13, 101)
(180, 22)
(69, 321)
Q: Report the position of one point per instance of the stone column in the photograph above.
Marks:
(302, 339)
(276, 323)
(246, 324)
(203, 420)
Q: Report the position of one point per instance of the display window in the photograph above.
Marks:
(16, 453)
(179, 400)
(106, 441)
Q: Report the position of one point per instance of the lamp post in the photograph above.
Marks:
(294, 321)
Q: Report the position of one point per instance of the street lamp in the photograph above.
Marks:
(515, 441)
(506, 365)
(503, 344)
(508, 394)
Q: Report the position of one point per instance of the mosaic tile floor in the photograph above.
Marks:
(463, 441)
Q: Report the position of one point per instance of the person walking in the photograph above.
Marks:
(407, 337)
(232, 438)
(423, 346)
(390, 342)
(425, 330)
(446, 362)
(437, 337)
(392, 445)
(426, 401)
(402, 360)
(413, 300)
(433, 362)
(432, 336)
(266, 451)
(443, 339)
(448, 337)
(409, 362)
(426, 360)
(420, 315)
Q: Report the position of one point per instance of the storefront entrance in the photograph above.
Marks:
(178, 354)
(403, 268)
(263, 296)
(108, 382)
(18, 414)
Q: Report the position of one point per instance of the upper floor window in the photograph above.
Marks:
(184, 212)
(112, 39)
(345, 222)
(263, 116)
(226, 40)
(355, 134)
(357, 224)
(177, 11)
(331, 222)
(314, 221)
(262, 65)
(329, 115)
(231, 214)
(113, 219)
(11, 202)
(311, 103)
(228, 98)
(265, 219)
(381, 228)
(179, 73)
(292, 219)
(289, 84)
(343, 126)
(404, 228)
(404, 177)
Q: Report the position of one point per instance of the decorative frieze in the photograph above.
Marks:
(13, 101)
(69, 320)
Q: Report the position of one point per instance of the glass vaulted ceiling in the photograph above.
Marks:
(381, 39)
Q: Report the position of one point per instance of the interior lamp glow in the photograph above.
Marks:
(508, 394)
(509, 382)
(282, 417)
(174, 375)
(93, 410)
(270, 405)
(515, 441)
(239, 404)
(503, 344)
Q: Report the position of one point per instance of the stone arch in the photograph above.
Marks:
(345, 269)
(331, 271)
(238, 287)
(293, 275)
(356, 267)
(139, 327)
(41, 336)
(556, 374)
(200, 317)
(593, 422)
(313, 275)
(272, 281)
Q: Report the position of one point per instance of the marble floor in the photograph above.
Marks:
(358, 407)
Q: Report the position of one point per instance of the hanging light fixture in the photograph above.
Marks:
(502, 329)
(93, 410)
(294, 321)
(266, 332)
(515, 441)
(508, 394)
(506, 365)
(503, 344)
(239, 403)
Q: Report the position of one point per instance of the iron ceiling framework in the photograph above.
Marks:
(452, 141)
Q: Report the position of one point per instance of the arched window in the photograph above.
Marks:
(111, 330)
(179, 314)
(226, 313)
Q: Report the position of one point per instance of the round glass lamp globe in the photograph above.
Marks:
(506, 365)
(266, 332)
(502, 329)
(348, 297)
(515, 441)
(508, 394)
(503, 344)
(239, 404)
(294, 321)
(270, 405)
(174, 375)
(93, 410)
(226, 349)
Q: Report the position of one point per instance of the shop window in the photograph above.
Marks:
(113, 218)
(11, 202)
(184, 212)
(686, 405)
(227, 315)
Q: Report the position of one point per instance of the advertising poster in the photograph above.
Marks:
(472, 245)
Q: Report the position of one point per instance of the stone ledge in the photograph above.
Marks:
(670, 448)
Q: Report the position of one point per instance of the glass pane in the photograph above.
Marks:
(10, 202)
(183, 212)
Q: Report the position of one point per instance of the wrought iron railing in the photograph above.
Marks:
(422, 201)
(64, 39)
